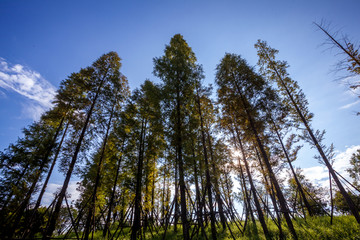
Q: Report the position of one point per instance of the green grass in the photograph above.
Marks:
(343, 227)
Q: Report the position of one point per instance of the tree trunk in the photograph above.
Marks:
(207, 170)
(270, 186)
(112, 198)
(217, 190)
(346, 196)
(38, 173)
(253, 189)
(184, 220)
(247, 196)
(52, 221)
(176, 197)
(91, 213)
(331, 201)
(306, 202)
(279, 193)
(137, 213)
(38, 202)
(198, 197)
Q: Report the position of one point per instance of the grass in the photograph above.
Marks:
(343, 227)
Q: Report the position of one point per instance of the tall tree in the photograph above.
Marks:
(151, 143)
(103, 74)
(23, 164)
(275, 71)
(204, 103)
(178, 70)
(238, 82)
(350, 50)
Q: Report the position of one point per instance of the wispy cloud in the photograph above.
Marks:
(350, 81)
(350, 95)
(2, 94)
(349, 105)
(28, 83)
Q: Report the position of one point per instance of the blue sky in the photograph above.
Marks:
(42, 42)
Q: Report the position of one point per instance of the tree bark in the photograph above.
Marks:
(279, 193)
(91, 212)
(346, 196)
(52, 221)
(112, 198)
(184, 220)
(217, 190)
(253, 189)
(137, 213)
(207, 170)
(303, 196)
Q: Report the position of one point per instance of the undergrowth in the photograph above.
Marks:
(343, 227)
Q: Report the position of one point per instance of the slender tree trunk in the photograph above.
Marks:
(303, 196)
(153, 195)
(52, 221)
(279, 193)
(270, 186)
(163, 197)
(253, 189)
(247, 196)
(146, 200)
(331, 200)
(91, 213)
(38, 173)
(176, 196)
(346, 196)
(198, 197)
(112, 198)
(217, 190)
(38, 202)
(207, 170)
(137, 213)
(228, 189)
(184, 220)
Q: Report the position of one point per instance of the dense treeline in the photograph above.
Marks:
(166, 157)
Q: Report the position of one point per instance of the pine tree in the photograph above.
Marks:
(295, 99)
(236, 80)
(178, 71)
(94, 81)
(147, 102)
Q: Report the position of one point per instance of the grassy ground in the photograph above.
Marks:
(343, 227)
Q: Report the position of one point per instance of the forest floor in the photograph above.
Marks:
(343, 227)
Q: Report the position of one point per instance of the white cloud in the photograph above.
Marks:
(320, 174)
(29, 84)
(54, 187)
(316, 173)
(342, 159)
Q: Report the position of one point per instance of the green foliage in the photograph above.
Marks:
(314, 195)
(354, 169)
(344, 227)
(341, 205)
(130, 151)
